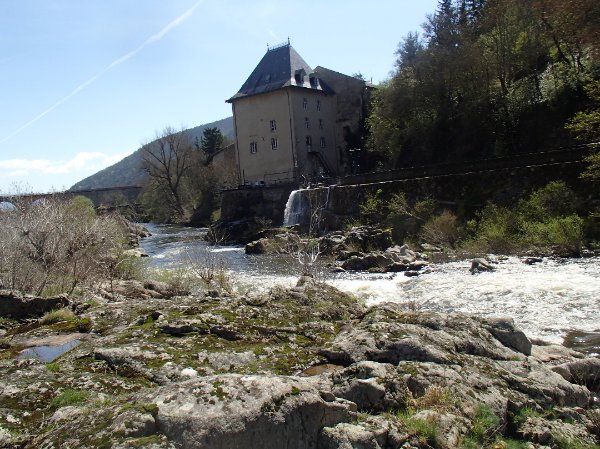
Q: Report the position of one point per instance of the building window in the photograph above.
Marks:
(274, 143)
(253, 147)
(304, 104)
(306, 123)
(322, 142)
(320, 123)
(308, 143)
(273, 125)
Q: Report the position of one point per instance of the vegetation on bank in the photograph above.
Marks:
(547, 221)
(56, 246)
(183, 183)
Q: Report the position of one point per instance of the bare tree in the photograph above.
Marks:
(167, 160)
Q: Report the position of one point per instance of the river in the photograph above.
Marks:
(557, 300)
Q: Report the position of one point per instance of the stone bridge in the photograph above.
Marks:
(111, 197)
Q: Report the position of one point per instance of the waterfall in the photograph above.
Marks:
(295, 209)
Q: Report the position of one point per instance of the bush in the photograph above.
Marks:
(545, 220)
(56, 316)
(553, 200)
(495, 231)
(563, 234)
(443, 229)
(53, 246)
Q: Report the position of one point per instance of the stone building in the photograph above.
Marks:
(294, 124)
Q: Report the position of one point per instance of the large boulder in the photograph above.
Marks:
(243, 412)
(368, 238)
(18, 307)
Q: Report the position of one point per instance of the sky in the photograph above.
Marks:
(84, 83)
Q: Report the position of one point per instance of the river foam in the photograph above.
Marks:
(547, 300)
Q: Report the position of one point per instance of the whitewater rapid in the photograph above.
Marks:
(548, 300)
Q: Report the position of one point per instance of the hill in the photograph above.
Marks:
(127, 172)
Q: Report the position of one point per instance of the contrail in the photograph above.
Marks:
(154, 38)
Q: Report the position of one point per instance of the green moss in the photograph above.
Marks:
(53, 367)
(70, 397)
(218, 391)
(563, 442)
(427, 430)
(524, 414)
(145, 441)
(485, 425)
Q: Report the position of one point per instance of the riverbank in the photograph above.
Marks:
(309, 366)
(552, 300)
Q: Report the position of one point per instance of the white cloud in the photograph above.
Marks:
(81, 162)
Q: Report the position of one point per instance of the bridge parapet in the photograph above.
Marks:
(108, 197)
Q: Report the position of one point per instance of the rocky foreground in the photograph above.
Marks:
(308, 367)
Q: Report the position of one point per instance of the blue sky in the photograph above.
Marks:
(83, 83)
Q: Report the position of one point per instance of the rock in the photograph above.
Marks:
(135, 252)
(480, 264)
(236, 231)
(371, 386)
(373, 433)
(367, 262)
(503, 328)
(411, 273)
(581, 372)
(256, 247)
(532, 260)
(397, 267)
(401, 254)
(134, 424)
(140, 289)
(237, 412)
(418, 265)
(227, 360)
(226, 332)
(18, 307)
(431, 248)
(368, 238)
(182, 327)
(544, 431)
(305, 281)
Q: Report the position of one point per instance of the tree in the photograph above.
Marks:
(167, 160)
(585, 125)
(211, 142)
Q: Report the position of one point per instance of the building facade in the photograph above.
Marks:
(290, 123)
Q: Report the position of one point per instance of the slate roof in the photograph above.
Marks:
(280, 67)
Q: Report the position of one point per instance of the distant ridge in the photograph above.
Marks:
(127, 172)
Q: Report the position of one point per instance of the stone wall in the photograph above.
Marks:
(463, 193)
(264, 202)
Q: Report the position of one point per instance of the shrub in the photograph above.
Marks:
(544, 220)
(435, 398)
(496, 230)
(443, 229)
(56, 316)
(565, 234)
(553, 200)
(54, 246)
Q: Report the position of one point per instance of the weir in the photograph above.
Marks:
(303, 204)
(295, 209)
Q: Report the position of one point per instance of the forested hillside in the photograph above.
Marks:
(129, 171)
(489, 78)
